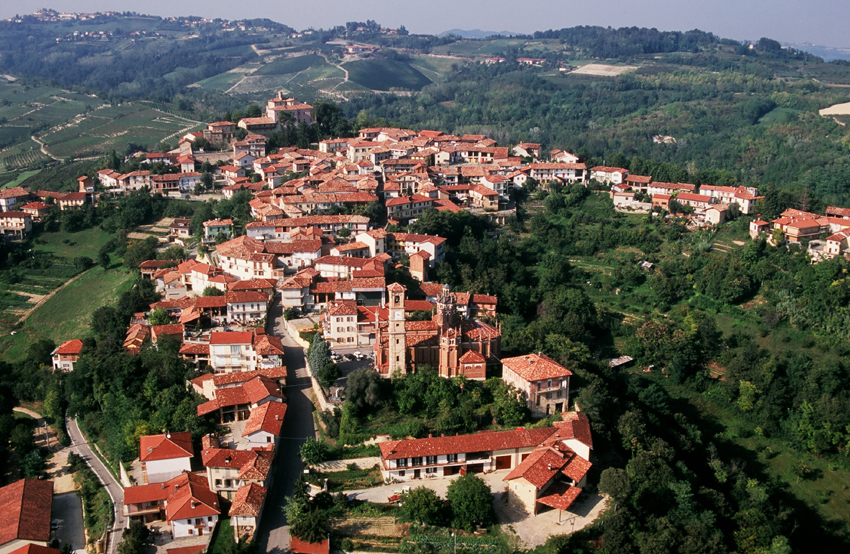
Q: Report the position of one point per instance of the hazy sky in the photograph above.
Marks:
(823, 22)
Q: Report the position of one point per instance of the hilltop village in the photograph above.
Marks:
(327, 248)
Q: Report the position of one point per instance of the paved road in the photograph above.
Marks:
(273, 536)
(113, 487)
(68, 510)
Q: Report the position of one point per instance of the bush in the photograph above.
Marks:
(314, 451)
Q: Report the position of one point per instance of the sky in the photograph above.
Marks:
(820, 22)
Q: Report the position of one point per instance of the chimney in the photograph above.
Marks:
(550, 467)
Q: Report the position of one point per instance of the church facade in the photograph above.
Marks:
(448, 343)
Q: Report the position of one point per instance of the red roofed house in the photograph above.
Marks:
(12, 198)
(246, 509)
(165, 456)
(545, 384)
(229, 470)
(26, 506)
(32, 548)
(612, 175)
(405, 460)
(263, 425)
(67, 354)
(232, 351)
(553, 474)
(15, 225)
(192, 509)
(245, 307)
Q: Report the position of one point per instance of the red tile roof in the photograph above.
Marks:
(534, 367)
(70, 347)
(297, 546)
(260, 387)
(194, 549)
(26, 506)
(275, 373)
(560, 496)
(472, 357)
(165, 447)
(480, 442)
(231, 337)
(191, 501)
(248, 501)
(268, 418)
(32, 548)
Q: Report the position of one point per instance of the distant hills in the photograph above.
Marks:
(476, 33)
(828, 53)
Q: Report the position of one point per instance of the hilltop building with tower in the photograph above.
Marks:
(450, 343)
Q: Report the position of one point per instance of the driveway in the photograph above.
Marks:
(531, 530)
(68, 513)
(273, 534)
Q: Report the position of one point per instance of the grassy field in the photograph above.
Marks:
(434, 67)
(222, 540)
(222, 81)
(67, 314)
(70, 245)
(284, 66)
(20, 178)
(385, 74)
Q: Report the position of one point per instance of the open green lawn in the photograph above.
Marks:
(67, 314)
(222, 540)
(70, 245)
(20, 178)
(385, 74)
(435, 67)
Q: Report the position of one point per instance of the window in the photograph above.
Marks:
(417, 461)
(549, 384)
(430, 470)
(234, 350)
(431, 460)
(191, 531)
(218, 482)
(209, 518)
(401, 474)
(402, 462)
(199, 521)
(451, 458)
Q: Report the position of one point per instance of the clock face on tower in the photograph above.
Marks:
(398, 314)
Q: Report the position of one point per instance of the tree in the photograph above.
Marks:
(422, 505)
(213, 291)
(103, 259)
(470, 501)
(174, 252)
(328, 374)
(615, 483)
(312, 527)
(314, 451)
(139, 252)
(135, 539)
(159, 317)
(319, 354)
(509, 407)
(363, 390)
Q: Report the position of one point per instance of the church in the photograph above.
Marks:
(447, 343)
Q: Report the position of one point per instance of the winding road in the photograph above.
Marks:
(80, 446)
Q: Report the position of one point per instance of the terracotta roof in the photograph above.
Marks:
(33, 548)
(575, 425)
(534, 367)
(267, 417)
(472, 357)
(191, 501)
(297, 546)
(251, 284)
(168, 446)
(248, 501)
(70, 347)
(26, 506)
(480, 442)
(275, 373)
(195, 349)
(231, 337)
(14, 192)
(560, 496)
(194, 549)
(343, 307)
(260, 387)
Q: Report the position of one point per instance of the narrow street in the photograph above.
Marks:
(113, 487)
(273, 535)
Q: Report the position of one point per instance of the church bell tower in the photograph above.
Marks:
(397, 350)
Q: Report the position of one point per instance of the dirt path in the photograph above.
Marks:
(48, 296)
(57, 468)
(43, 149)
(344, 71)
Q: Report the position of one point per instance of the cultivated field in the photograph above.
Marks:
(603, 70)
(385, 74)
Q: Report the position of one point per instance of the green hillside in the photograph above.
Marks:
(385, 75)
